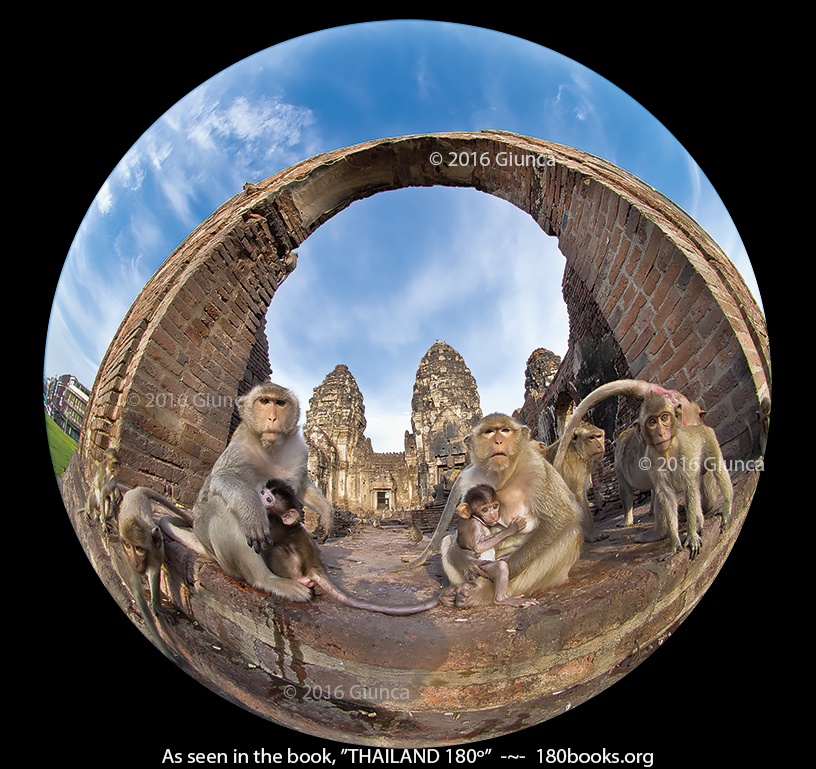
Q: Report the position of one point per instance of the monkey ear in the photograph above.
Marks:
(290, 517)
(156, 536)
(525, 431)
(463, 510)
(468, 440)
(702, 416)
(678, 413)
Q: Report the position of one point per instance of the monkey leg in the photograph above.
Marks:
(627, 500)
(694, 518)
(500, 574)
(552, 565)
(230, 549)
(467, 595)
(665, 504)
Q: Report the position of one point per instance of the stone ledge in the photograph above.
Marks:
(434, 678)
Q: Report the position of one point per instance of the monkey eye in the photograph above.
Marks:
(280, 403)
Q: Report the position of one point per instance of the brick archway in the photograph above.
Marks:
(649, 294)
(679, 311)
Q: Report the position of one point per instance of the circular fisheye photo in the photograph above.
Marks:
(407, 385)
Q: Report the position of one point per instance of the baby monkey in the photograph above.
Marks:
(294, 554)
(477, 513)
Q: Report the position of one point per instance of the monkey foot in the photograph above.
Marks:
(517, 602)
(693, 544)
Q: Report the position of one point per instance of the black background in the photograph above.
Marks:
(94, 85)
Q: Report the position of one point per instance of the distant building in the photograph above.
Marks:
(66, 399)
(445, 406)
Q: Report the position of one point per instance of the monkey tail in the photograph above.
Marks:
(636, 388)
(455, 496)
(355, 603)
(156, 497)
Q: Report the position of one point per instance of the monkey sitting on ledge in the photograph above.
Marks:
(471, 553)
(295, 556)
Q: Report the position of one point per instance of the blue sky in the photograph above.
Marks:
(378, 284)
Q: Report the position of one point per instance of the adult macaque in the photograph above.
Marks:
(584, 453)
(471, 552)
(230, 521)
(104, 494)
(142, 554)
(415, 534)
(541, 554)
(295, 555)
(637, 462)
(678, 458)
(142, 541)
(630, 449)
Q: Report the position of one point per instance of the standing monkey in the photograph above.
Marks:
(584, 454)
(541, 554)
(638, 461)
(630, 449)
(104, 494)
(142, 541)
(679, 456)
(471, 553)
(230, 520)
(295, 555)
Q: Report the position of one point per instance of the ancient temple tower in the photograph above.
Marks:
(341, 460)
(334, 431)
(542, 366)
(444, 407)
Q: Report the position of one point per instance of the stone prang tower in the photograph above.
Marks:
(444, 407)
(334, 431)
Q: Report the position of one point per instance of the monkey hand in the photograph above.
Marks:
(260, 541)
(517, 524)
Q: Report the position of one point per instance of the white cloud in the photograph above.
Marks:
(486, 280)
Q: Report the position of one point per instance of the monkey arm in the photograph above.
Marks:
(315, 501)
(243, 502)
(489, 542)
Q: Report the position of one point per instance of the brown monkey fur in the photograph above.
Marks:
(679, 457)
(142, 554)
(630, 448)
(584, 453)
(471, 552)
(295, 555)
(104, 494)
(142, 541)
(541, 555)
(635, 459)
(230, 521)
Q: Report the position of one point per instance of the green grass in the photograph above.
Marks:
(61, 446)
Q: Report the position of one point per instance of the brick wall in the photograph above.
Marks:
(676, 310)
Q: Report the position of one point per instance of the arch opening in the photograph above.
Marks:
(649, 295)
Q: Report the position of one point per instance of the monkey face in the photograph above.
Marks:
(659, 429)
(136, 555)
(595, 444)
(272, 416)
(489, 513)
(496, 442)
